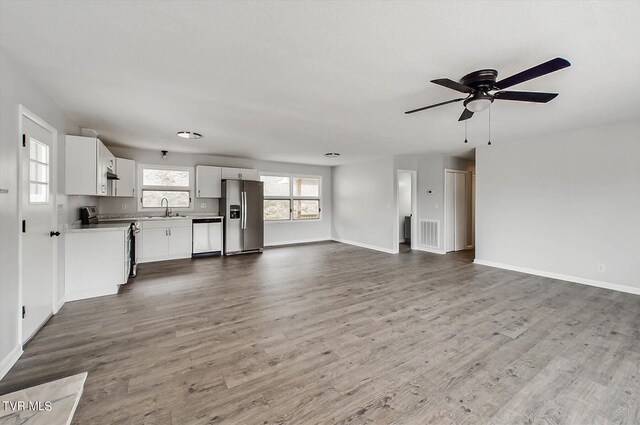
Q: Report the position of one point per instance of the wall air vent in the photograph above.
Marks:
(429, 233)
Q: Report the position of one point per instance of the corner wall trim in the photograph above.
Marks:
(59, 305)
(367, 246)
(9, 360)
(551, 275)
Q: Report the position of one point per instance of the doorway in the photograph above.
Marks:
(455, 210)
(407, 206)
(38, 241)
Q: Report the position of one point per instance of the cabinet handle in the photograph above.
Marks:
(133, 192)
(169, 232)
(198, 192)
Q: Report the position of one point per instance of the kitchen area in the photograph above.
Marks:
(104, 248)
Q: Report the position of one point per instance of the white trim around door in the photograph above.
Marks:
(23, 112)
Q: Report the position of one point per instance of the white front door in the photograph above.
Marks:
(38, 214)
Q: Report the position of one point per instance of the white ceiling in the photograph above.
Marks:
(289, 81)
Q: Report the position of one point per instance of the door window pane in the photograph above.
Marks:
(275, 185)
(38, 193)
(38, 151)
(156, 177)
(306, 186)
(176, 198)
(38, 172)
(306, 209)
(277, 209)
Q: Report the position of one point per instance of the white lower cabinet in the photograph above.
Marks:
(96, 263)
(165, 239)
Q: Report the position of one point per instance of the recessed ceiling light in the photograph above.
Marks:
(332, 154)
(189, 135)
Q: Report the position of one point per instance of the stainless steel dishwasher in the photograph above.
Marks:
(207, 236)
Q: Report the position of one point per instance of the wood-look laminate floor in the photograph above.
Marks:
(329, 333)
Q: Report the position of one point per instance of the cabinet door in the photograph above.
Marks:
(208, 181)
(248, 174)
(155, 244)
(180, 241)
(81, 166)
(101, 169)
(126, 171)
(230, 173)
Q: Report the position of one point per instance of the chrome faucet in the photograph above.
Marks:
(167, 213)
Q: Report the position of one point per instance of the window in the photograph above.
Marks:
(159, 182)
(289, 198)
(38, 172)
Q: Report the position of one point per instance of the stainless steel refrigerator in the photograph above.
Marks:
(242, 205)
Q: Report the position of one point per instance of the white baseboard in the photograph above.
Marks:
(59, 305)
(298, 241)
(91, 293)
(431, 250)
(568, 278)
(9, 360)
(364, 245)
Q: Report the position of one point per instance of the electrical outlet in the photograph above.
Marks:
(203, 205)
(124, 206)
(601, 268)
(436, 206)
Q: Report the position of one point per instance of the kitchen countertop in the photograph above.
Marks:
(130, 218)
(78, 227)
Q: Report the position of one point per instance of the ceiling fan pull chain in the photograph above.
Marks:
(465, 132)
(489, 126)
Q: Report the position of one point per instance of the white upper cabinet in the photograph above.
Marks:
(208, 181)
(126, 171)
(86, 162)
(239, 174)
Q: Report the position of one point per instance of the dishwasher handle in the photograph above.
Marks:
(207, 220)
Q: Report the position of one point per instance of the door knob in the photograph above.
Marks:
(52, 234)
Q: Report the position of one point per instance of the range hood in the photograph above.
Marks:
(112, 176)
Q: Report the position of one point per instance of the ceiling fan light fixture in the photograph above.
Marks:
(478, 104)
(189, 135)
(332, 154)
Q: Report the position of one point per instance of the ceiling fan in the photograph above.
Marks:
(479, 84)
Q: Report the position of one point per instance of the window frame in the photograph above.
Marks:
(291, 198)
(33, 142)
(140, 187)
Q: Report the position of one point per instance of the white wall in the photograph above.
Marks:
(364, 204)
(563, 204)
(17, 89)
(404, 201)
(274, 233)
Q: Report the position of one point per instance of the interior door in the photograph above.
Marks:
(461, 212)
(253, 234)
(456, 211)
(450, 211)
(39, 234)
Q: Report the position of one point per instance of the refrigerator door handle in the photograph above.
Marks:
(243, 209)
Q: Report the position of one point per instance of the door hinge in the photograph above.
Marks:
(24, 140)
(24, 226)
(24, 311)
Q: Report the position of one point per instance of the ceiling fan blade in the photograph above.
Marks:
(454, 85)
(525, 96)
(466, 114)
(535, 72)
(433, 106)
